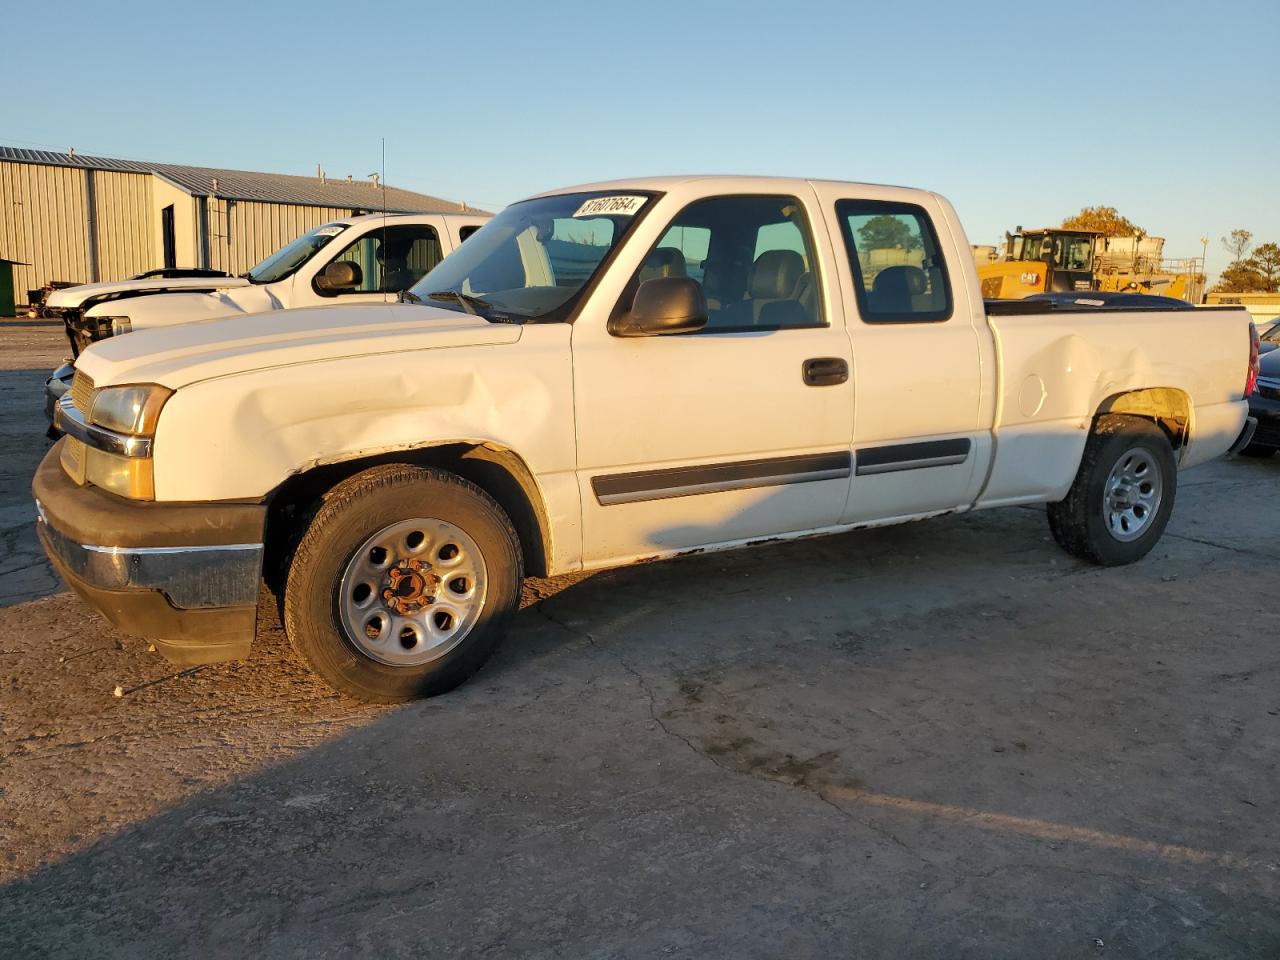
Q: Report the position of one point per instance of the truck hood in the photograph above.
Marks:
(172, 307)
(78, 296)
(177, 356)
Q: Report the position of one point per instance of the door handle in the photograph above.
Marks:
(825, 371)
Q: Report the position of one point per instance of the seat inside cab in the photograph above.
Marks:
(753, 256)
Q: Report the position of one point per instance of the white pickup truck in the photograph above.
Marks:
(368, 258)
(363, 259)
(608, 374)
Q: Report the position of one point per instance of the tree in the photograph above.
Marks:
(886, 232)
(1238, 243)
(1266, 260)
(1104, 220)
(1242, 276)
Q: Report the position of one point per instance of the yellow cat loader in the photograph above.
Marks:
(1066, 261)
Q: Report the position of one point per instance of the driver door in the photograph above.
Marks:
(740, 431)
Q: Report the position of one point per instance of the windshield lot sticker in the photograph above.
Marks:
(329, 231)
(611, 206)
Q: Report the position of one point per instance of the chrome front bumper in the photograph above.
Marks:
(185, 576)
(55, 388)
(225, 575)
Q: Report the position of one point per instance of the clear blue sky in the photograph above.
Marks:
(1020, 113)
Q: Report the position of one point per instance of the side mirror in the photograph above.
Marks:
(663, 305)
(340, 275)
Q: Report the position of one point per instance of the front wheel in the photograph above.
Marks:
(1123, 493)
(403, 583)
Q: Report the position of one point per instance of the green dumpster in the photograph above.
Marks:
(7, 306)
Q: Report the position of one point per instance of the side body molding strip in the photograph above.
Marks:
(912, 456)
(716, 478)
(643, 485)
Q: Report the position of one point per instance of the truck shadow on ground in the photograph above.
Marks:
(669, 758)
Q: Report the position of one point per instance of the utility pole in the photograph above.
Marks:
(1204, 267)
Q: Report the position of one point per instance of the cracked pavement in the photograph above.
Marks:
(946, 739)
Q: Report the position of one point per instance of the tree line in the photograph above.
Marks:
(1249, 272)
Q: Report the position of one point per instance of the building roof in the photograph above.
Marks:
(248, 185)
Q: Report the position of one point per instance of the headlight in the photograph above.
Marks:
(133, 409)
(114, 326)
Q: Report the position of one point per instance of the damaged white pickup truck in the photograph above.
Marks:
(602, 375)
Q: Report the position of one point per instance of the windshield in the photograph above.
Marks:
(291, 256)
(532, 261)
(1066, 251)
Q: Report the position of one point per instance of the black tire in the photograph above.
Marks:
(350, 513)
(1261, 451)
(1079, 522)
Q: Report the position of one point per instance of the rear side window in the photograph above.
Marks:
(898, 271)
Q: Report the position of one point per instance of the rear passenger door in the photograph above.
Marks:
(921, 433)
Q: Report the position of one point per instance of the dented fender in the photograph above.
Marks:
(241, 435)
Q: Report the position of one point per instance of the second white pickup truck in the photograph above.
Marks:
(367, 258)
(362, 259)
(608, 374)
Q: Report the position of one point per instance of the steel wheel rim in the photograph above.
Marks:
(412, 592)
(1132, 495)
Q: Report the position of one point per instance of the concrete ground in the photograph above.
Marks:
(945, 739)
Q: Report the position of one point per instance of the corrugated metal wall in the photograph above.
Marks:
(42, 217)
(255, 230)
(124, 224)
(43, 212)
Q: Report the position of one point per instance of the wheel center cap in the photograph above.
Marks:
(1122, 495)
(410, 587)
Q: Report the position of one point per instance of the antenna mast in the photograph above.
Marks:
(383, 184)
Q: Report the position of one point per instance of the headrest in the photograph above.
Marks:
(663, 262)
(393, 249)
(775, 274)
(901, 281)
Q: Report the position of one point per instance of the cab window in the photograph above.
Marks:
(391, 259)
(753, 256)
(898, 269)
(1077, 253)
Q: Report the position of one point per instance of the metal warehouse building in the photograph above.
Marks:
(80, 219)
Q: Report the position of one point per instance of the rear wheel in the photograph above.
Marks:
(1123, 493)
(403, 583)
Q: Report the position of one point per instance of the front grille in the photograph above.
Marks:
(82, 392)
